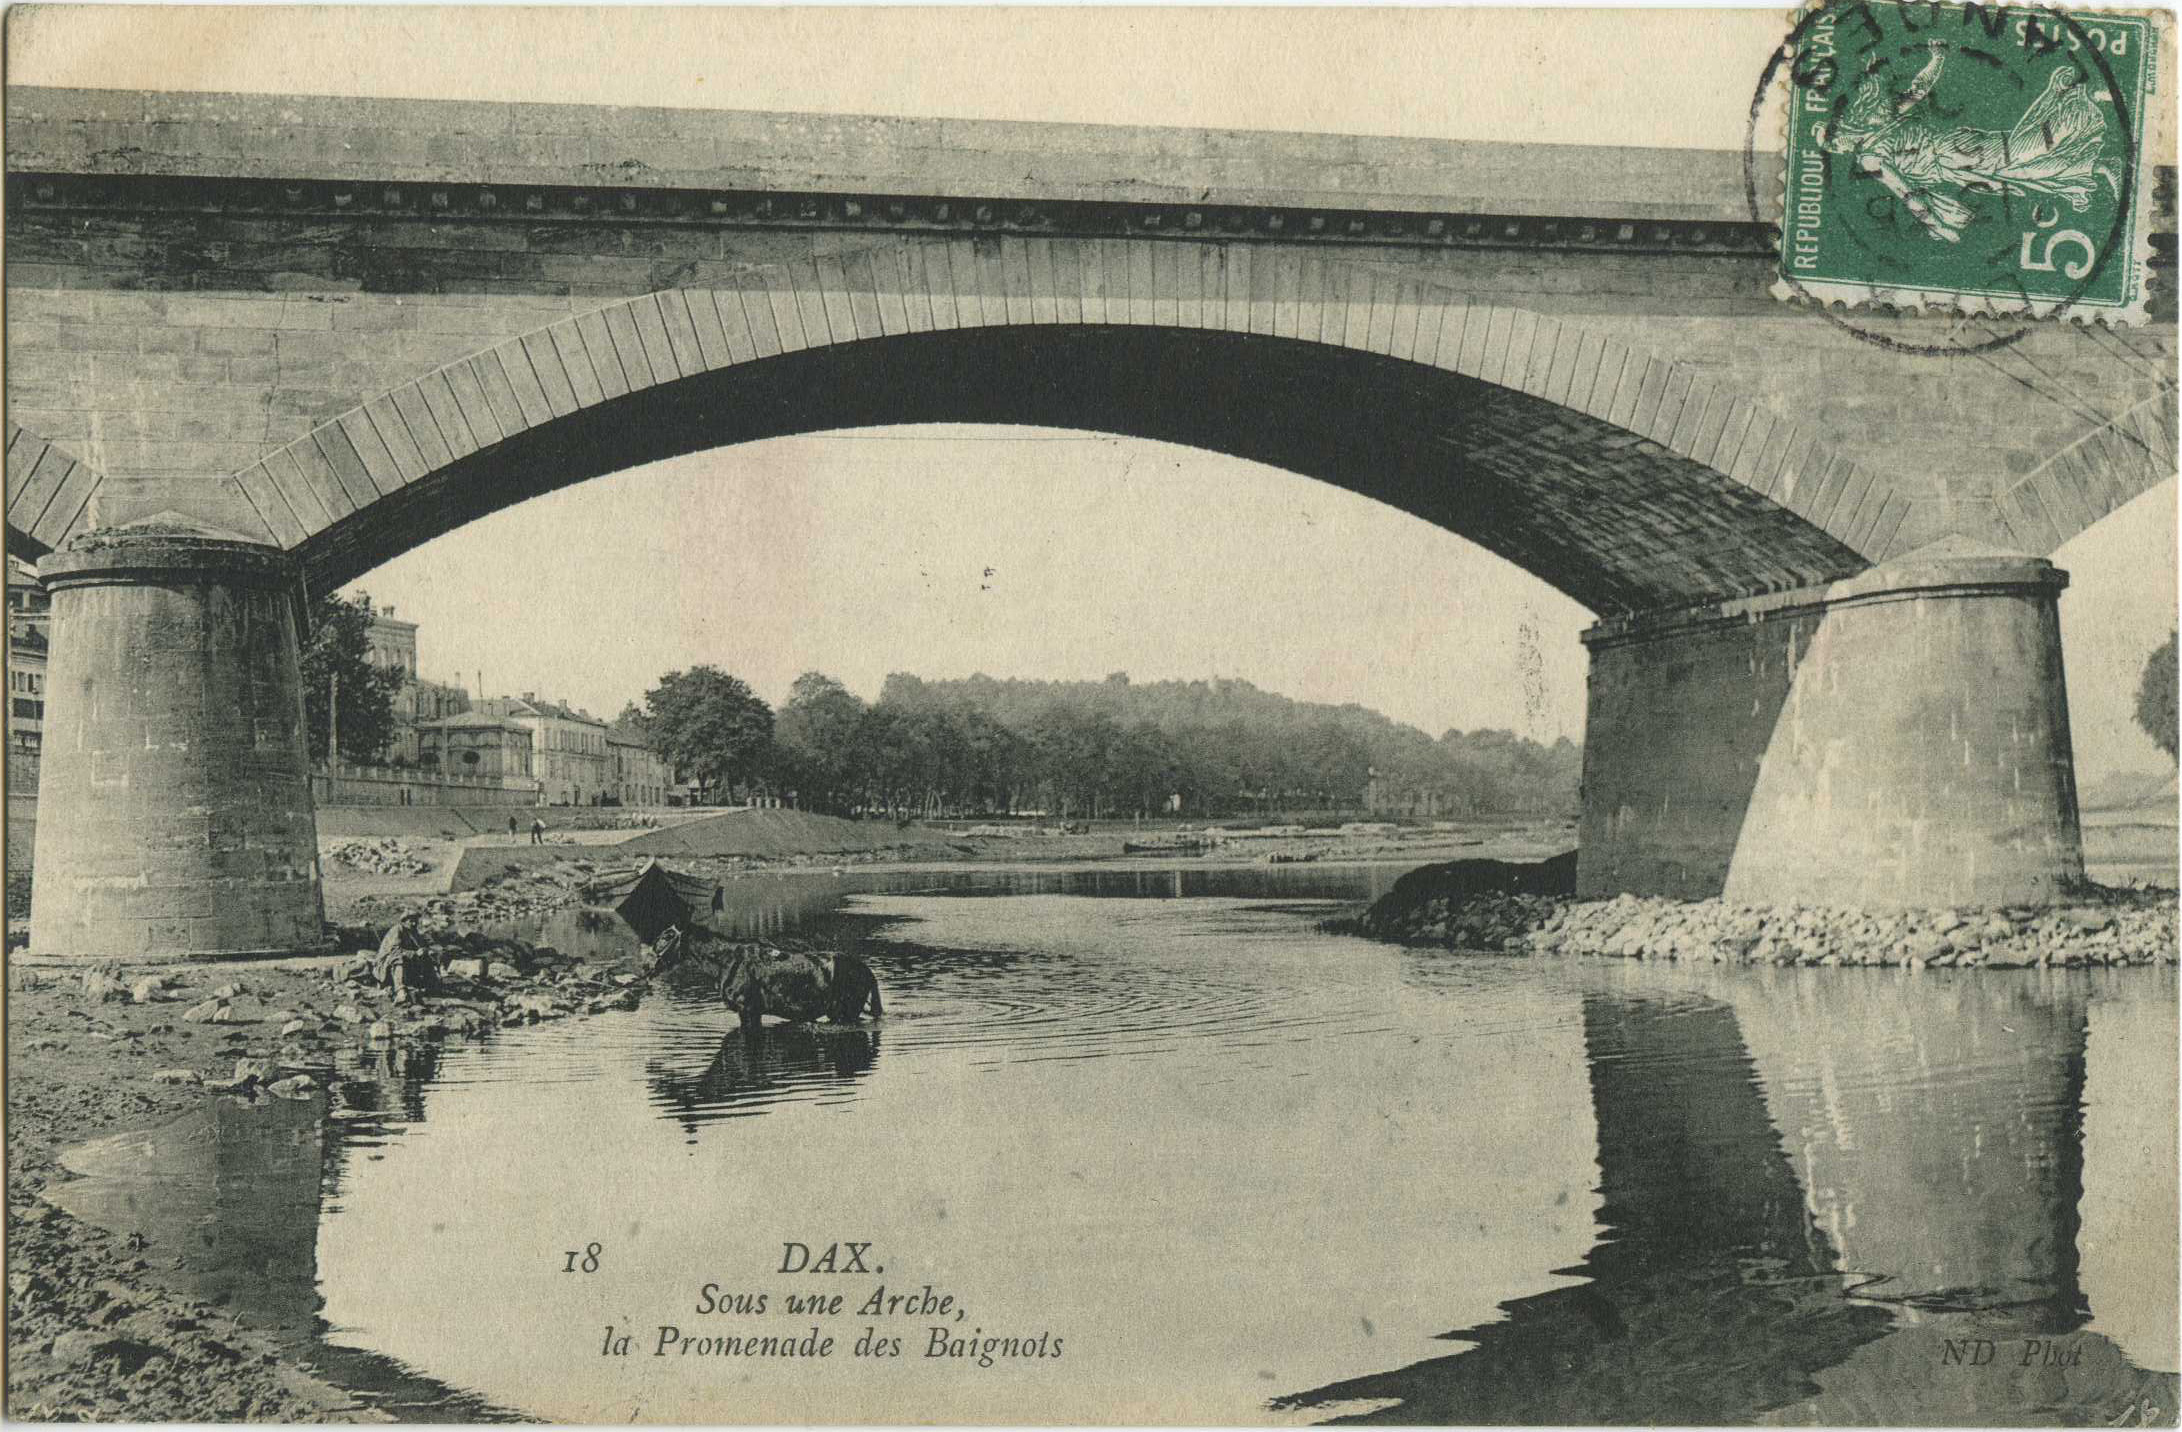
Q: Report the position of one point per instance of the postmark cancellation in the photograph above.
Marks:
(1975, 159)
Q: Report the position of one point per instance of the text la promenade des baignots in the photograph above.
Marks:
(890, 1323)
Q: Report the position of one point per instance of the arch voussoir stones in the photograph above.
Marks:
(1625, 398)
(49, 490)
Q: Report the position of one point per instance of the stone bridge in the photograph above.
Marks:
(258, 345)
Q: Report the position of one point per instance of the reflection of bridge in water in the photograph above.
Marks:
(1799, 1226)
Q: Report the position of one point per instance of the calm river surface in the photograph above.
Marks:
(1246, 1171)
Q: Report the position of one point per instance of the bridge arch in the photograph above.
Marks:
(1624, 478)
(1785, 703)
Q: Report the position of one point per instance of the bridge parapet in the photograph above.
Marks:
(470, 143)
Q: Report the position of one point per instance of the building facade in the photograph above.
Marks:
(568, 754)
(642, 776)
(29, 621)
(417, 703)
(477, 745)
(26, 693)
(392, 643)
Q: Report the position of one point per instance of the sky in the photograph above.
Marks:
(859, 554)
(947, 551)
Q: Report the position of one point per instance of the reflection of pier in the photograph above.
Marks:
(234, 1189)
(1935, 1134)
(229, 1200)
(1939, 1130)
(230, 1189)
(1811, 1188)
(1708, 1299)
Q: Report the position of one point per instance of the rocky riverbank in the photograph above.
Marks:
(101, 1322)
(1469, 906)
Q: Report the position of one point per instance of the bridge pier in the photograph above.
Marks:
(175, 818)
(1899, 738)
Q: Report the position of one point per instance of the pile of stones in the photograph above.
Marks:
(508, 897)
(2099, 927)
(1487, 921)
(379, 857)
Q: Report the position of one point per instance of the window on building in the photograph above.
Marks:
(469, 758)
(28, 710)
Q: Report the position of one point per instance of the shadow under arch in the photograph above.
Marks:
(1623, 478)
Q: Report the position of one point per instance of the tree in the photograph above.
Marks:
(632, 721)
(2156, 697)
(345, 697)
(814, 740)
(890, 760)
(710, 725)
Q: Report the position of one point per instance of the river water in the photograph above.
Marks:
(1238, 1170)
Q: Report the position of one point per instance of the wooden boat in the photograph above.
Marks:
(650, 897)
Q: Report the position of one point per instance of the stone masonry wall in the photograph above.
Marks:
(172, 350)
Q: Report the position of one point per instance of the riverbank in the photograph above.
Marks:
(117, 1323)
(493, 882)
(1468, 905)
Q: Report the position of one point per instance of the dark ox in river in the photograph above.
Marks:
(757, 979)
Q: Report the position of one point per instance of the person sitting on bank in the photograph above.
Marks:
(404, 962)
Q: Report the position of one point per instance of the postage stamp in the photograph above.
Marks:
(1978, 159)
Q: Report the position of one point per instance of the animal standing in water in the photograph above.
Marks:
(757, 979)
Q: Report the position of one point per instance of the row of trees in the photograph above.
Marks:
(1082, 749)
(1088, 748)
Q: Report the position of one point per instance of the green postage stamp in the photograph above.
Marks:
(1965, 157)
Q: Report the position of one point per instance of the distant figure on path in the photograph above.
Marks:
(511, 827)
(537, 831)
